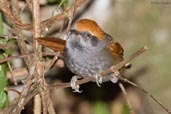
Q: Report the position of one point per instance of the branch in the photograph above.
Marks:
(127, 99)
(25, 55)
(103, 73)
(146, 92)
(39, 68)
(115, 68)
(118, 66)
(4, 6)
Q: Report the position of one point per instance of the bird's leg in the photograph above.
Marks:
(98, 79)
(114, 76)
(74, 85)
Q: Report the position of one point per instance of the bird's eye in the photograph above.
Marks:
(88, 35)
(94, 41)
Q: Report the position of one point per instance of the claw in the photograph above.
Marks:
(75, 86)
(98, 79)
(114, 77)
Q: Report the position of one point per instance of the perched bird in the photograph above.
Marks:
(88, 51)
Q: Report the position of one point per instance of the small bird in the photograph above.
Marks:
(87, 51)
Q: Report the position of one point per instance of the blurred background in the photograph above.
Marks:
(134, 24)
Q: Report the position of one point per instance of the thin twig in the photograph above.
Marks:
(146, 92)
(118, 66)
(17, 31)
(15, 57)
(4, 46)
(11, 71)
(25, 55)
(27, 4)
(38, 54)
(4, 6)
(14, 90)
(19, 74)
(21, 100)
(65, 85)
(71, 17)
(37, 104)
(115, 68)
(103, 73)
(51, 109)
(52, 61)
(19, 103)
(127, 99)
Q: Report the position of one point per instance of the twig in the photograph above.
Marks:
(118, 66)
(8, 36)
(144, 91)
(66, 85)
(19, 74)
(37, 104)
(71, 17)
(25, 55)
(103, 73)
(21, 37)
(27, 4)
(11, 71)
(115, 68)
(21, 100)
(4, 6)
(38, 54)
(4, 46)
(51, 109)
(19, 103)
(52, 61)
(15, 57)
(127, 99)
(11, 89)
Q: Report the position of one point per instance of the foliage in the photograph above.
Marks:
(3, 70)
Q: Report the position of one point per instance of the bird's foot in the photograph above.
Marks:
(74, 85)
(114, 76)
(98, 79)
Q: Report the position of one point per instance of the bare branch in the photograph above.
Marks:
(4, 6)
(103, 73)
(144, 91)
(127, 99)
(37, 104)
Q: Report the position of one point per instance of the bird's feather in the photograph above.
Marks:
(53, 43)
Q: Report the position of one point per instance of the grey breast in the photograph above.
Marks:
(86, 63)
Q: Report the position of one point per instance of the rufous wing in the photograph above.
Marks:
(115, 48)
(53, 43)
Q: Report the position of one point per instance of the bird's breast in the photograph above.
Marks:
(85, 63)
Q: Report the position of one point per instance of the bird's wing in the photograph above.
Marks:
(54, 43)
(115, 48)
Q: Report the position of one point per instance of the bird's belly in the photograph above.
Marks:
(88, 65)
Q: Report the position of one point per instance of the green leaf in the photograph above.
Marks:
(58, 1)
(3, 80)
(3, 99)
(125, 109)
(100, 108)
(54, 1)
(12, 40)
(8, 51)
(2, 41)
(3, 70)
(3, 83)
(1, 24)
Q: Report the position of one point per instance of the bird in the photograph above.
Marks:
(87, 51)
